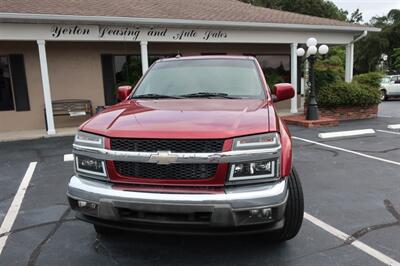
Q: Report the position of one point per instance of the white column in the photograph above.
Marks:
(293, 76)
(349, 62)
(46, 87)
(144, 56)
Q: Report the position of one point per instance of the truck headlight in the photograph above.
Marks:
(90, 166)
(258, 169)
(86, 165)
(90, 140)
(254, 170)
(260, 141)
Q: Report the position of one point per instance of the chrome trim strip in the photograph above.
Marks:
(170, 157)
(104, 190)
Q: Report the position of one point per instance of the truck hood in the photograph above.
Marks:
(183, 118)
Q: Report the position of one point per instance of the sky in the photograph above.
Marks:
(369, 8)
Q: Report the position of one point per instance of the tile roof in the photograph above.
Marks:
(202, 10)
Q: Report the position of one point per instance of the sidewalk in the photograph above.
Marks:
(35, 134)
(286, 112)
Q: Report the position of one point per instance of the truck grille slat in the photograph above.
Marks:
(173, 145)
(172, 171)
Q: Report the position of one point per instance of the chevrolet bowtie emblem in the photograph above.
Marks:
(163, 157)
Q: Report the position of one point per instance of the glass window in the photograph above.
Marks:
(235, 77)
(276, 68)
(6, 95)
(128, 68)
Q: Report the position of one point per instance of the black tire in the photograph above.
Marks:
(294, 211)
(383, 95)
(103, 230)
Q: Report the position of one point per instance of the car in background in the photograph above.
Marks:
(390, 87)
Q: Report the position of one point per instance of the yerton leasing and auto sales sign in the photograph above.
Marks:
(134, 33)
(80, 32)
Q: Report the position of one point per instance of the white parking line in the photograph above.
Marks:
(356, 243)
(349, 133)
(68, 157)
(394, 126)
(348, 151)
(15, 205)
(390, 132)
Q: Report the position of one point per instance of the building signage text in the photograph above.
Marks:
(135, 33)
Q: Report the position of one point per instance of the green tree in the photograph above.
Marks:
(319, 8)
(356, 16)
(394, 15)
(330, 69)
(369, 50)
(396, 59)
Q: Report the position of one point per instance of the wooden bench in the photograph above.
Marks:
(71, 108)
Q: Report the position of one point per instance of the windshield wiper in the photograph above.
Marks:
(154, 96)
(208, 95)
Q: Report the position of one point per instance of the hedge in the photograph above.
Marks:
(372, 79)
(363, 91)
(348, 94)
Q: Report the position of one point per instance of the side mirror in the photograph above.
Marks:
(124, 92)
(283, 91)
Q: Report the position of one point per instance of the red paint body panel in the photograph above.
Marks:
(182, 118)
(283, 91)
(286, 152)
(124, 92)
(195, 118)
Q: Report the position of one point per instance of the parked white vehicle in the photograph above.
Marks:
(390, 86)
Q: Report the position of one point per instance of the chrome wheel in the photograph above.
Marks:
(383, 95)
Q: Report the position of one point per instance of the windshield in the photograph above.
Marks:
(386, 80)
(227, 78)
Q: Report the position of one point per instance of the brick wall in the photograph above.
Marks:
(343, 113)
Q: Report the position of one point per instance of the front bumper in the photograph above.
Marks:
(249, 208)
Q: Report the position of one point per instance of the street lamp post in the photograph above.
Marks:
(311, 56)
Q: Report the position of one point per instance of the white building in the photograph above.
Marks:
(60, 50)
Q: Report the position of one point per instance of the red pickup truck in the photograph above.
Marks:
(196, 147)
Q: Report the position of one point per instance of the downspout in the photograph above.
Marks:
(363, 35)
(350, 57)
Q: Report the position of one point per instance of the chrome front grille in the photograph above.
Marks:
(171, 171)
(172, 145)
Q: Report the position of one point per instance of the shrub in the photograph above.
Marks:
(348, 94)
(273, 79)
(372, 79)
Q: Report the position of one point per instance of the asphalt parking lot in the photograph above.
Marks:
(352, 203)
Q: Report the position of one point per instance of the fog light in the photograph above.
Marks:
(267, 213)
(85, 204)
(261, 213)
(254, 213)
(82, 203)
(92, 205)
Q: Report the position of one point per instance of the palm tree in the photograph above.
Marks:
(394, 16)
